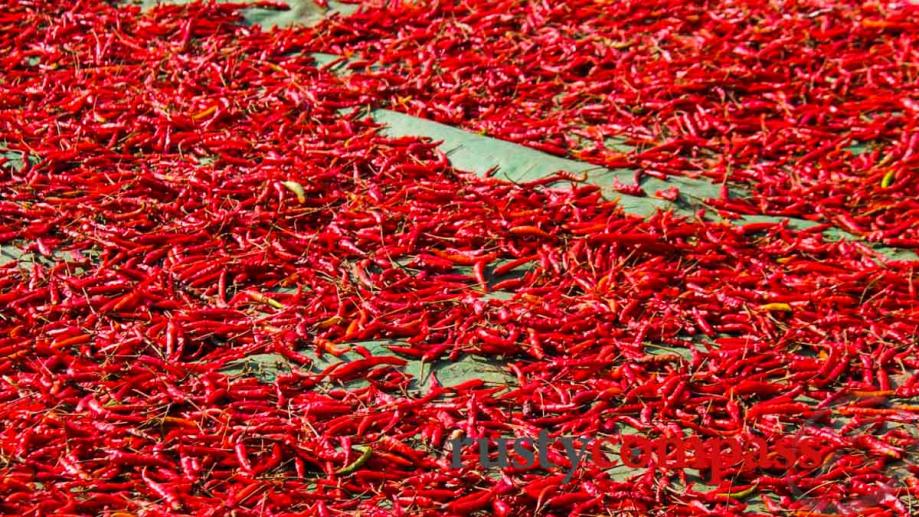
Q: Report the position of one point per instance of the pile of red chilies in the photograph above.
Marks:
(812, 106)
(189, 192)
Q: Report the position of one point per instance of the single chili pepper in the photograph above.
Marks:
(471, 503)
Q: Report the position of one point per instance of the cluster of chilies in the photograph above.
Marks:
(189, 192)
(811, 105)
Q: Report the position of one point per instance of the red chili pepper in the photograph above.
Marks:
(471, 503)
